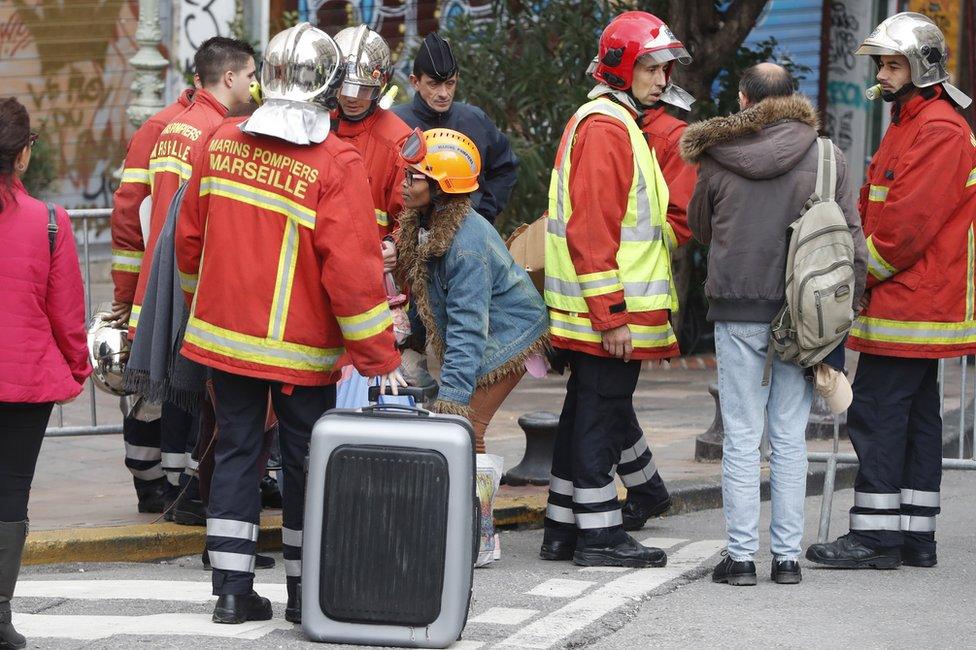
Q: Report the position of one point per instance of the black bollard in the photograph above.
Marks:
(708, 445)
(540, 435)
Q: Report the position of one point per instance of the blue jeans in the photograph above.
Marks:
(746, 404)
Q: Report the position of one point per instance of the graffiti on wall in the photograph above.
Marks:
(401, 22)
(847, 77)
(200, 20)
(947, 14)
(67, 62)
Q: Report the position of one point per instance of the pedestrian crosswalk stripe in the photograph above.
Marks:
(560, 588)
(663, 542)
(504, 616)
(577, 614)
(177, 590)
(102, 627)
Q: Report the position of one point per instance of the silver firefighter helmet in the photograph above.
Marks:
(301, 73)
(367, 60)
(301, 64)
(108, 351)
(917, 38)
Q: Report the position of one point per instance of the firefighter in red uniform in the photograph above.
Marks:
(609, 291)
(373, 130)
(276, 242)
(225, 68)
(142, 452)
(917, 206)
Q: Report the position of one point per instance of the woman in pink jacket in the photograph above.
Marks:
(43, 349)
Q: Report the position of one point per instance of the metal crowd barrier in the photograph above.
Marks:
(960, 461)
(81, 221)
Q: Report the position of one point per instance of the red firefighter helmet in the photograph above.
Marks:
(630, 36)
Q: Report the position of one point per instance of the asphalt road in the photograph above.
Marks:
(524, 602)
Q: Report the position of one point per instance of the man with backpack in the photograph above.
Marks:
(918, 204)
(758, 173)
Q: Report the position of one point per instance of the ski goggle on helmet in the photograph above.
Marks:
(448, 157)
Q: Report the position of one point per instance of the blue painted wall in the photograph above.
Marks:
(796, 25)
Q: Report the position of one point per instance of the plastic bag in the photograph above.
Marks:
(488, 478)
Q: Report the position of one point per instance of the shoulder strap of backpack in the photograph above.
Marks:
(52, 226)
(826, 170)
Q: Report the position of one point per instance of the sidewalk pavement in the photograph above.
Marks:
(83, 507)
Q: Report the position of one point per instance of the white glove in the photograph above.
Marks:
(394, 380)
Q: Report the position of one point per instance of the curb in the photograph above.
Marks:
(526, 509)
(135, 543)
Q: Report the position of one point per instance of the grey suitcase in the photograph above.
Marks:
(390, 528)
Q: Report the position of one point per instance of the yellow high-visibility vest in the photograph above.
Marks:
(643, 260)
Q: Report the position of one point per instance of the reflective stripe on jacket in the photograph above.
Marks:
(918, 206)
(276, 246)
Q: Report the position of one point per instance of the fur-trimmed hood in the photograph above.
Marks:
(763, 141)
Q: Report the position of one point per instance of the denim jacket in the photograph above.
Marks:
(482, 313)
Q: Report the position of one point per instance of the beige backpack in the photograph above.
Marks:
(819, 308)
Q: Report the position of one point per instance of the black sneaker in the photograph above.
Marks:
(238, 608)
(786, 572)
(627, 553)
(260, 561)
(923, 559)
(848, 553)
(636, 515)
(557, 550)
(190, 512)
(737, 574)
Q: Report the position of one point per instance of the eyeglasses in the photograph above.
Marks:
(414, 148)
(32, 139)
(409, 176)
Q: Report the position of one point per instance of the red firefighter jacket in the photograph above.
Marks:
(600, 180)
(127, 244)
(918, 207)
(663, 133)
(170, 164)
(377, 139)
(276, 244)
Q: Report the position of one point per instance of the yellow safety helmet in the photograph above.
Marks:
(449, 157)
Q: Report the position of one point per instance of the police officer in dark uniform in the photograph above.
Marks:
(435, 79)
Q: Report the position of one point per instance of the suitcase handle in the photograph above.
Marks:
(380, 408)
(417, 393)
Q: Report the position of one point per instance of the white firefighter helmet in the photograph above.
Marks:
(368, 62)
(917, 38)
(299, 77)
(108, 351)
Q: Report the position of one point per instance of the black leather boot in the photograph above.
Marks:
(153, 497)
(849, 553)
(12, 537)
(293, 610)
(636, 514)
(626, 552)
(239, 608)
(557, 549)
(917, 558)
